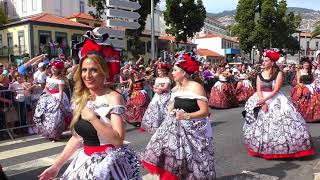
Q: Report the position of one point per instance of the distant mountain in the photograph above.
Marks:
(309, 17)
(233, 12)
(223, 13)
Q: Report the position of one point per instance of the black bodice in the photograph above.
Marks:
(306, 79)
(188, 105)
(267, 84)
(86, 130)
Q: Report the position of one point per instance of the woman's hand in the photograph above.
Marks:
(87, 114)
(265, 108)
(50, 173)
(261, 102)
(180, 115)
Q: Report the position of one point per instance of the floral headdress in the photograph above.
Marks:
(96, 42)
(188, 61)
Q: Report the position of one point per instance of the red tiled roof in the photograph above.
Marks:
(82, 16)
(210, 36)
(207, 52)
(232, 39)
(54, 19)
(168, 38)
(173, 39)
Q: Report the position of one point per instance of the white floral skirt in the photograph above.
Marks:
(281, 132)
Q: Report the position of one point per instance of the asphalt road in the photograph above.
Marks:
(25, 158)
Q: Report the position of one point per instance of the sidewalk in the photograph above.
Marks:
(316, 170)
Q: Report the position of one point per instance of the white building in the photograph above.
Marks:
(308, 47)
(225, 46)
(21, 8)
(15, 9)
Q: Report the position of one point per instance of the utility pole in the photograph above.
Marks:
(152, 31)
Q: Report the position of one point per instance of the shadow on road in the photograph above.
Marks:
(278, 171)
(215, 124)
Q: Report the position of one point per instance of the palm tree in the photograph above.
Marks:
(316, 31)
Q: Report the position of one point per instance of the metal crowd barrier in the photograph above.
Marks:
(17, 114)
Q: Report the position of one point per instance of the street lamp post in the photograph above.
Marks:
(152, 31)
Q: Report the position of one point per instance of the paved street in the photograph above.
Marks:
(25, 158)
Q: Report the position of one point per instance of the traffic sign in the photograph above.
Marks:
(125, 24)
(117, 43)
(123, 4)
(122, 14)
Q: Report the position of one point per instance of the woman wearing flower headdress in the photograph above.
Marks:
(182, 147)
(304, 95)
(273, 127)
(222, 94)
(317, 76)
(157, 108)
(244, 88)
(53, 105)
(138, 101)
(98, 122)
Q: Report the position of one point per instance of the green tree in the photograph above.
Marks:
(265, 23)
(316, 31)
(3, 17)
(245, 23)
(184, 18)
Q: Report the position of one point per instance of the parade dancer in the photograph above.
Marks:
(138, 101)
(53, 105)
(222, 93)
(317, 77)
(182, 147)
(157, 108)
(244, 88)
(273, 128)
(98, 123)
(304, 95)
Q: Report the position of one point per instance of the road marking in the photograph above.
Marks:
(20, 140)
(34, 164)
(26, 139)
(24, 151)
(30, 149)
(150, 177)
(258, 176)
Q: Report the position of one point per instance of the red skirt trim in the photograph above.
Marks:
(164, 175)
(304, 153)
(89, 150)
(53, 91)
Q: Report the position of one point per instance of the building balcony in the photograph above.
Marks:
(16, 51)
(54, 51)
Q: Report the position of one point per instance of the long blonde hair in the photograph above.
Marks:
(81, 93)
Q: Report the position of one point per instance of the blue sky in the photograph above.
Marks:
(215, 6)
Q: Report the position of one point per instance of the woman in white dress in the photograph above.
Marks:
(157, 108)
(53, 105)
(98, 124)
(182, 147)
(273, 128)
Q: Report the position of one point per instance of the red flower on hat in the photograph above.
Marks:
(111, 55)
(272, 54)
(57, 63)
(188, 63)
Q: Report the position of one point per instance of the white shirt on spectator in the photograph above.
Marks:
(39, 77)
(19, 90)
